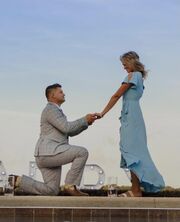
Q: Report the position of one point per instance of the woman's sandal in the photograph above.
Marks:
(129, 193)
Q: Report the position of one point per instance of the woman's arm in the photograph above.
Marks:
(123, 88)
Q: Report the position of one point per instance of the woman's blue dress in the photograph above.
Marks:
(133, 141)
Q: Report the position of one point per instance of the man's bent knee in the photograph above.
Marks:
(84, 152)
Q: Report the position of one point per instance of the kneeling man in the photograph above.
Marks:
(53, 149)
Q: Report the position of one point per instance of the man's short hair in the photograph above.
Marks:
(50, 88)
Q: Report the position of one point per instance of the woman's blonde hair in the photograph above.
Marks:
(133, 58)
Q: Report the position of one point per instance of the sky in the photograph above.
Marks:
(77, 43)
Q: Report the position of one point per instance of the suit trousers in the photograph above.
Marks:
(51, 166)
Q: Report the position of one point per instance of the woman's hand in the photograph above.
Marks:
(99, 115)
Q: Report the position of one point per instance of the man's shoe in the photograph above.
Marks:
(12, 180)
(71, 190)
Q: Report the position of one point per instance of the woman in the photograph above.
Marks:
(133, 142)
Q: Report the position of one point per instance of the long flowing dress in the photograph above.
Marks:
(133, 141)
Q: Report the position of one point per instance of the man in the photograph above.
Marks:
(53, 149)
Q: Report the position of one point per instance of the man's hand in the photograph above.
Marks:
(91, 118)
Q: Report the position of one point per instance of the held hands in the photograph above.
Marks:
(99, 115)
(91, 117)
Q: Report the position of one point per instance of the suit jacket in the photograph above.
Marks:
(55, 130)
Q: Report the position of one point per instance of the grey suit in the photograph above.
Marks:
(53, 150)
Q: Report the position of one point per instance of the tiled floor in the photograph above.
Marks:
(88, 209)
(88, 215)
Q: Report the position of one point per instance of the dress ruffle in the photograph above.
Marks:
(149, 178)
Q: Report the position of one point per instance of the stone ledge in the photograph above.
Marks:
(88, 202)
